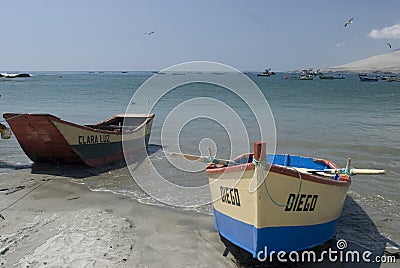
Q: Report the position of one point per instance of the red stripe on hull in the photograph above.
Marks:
(219, 169)
(40, 139)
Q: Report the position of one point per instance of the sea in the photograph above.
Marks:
(329, 119)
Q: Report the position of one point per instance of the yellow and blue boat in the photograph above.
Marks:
(280, 202)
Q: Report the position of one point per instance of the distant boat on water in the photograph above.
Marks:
(267, 72)
(310, 72)
(330, 76)
(365, 78)
(218, 73)
(6, 75)
(393, 79)
(306, 77)
(287, 76)
(387, 77)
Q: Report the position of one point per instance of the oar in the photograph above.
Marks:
(350, 171)
(205, 159)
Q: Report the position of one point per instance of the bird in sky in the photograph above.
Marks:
(389, 45)
(150, 33)
(350, 21)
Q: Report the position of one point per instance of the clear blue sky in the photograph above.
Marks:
(248, 35)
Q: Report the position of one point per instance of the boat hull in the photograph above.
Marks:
(46, 138)
(280, 238)
(285, 213)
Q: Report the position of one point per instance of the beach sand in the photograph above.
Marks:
(64, 224)
(58, 223)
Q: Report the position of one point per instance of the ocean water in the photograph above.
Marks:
(330, 119)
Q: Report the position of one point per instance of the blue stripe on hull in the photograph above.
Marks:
(285, 238)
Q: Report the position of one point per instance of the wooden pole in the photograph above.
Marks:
(260, 151)
(348, 165)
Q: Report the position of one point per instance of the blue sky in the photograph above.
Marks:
(45, 35)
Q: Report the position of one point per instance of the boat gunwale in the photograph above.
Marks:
(52, 118)
(344, 180)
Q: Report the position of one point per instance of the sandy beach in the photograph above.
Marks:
(50, 221)
(64, 224)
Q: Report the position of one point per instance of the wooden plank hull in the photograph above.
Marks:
(290, 211)
(46, 138)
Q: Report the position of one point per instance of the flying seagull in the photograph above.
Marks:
(390, 46)
(150, 33)
(350, 21)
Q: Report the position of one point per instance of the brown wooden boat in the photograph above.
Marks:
(47, 138)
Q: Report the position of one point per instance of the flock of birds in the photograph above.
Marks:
(350, 21)
(347, 23)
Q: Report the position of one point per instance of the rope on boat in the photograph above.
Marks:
(211, 160)
(260, 166)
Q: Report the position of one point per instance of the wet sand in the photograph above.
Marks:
(58, 223)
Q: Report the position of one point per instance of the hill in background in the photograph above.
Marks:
(388, 62)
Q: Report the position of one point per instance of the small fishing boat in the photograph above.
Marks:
(277, 202)
(365, 78)
(178, 73)
(325, 76)
(286, 76)
(311, 71)
(267, 72)
(388, 77)
(263, 74)
(340, 76)
(306, 77)
(393, 79)
(47, 138)
(329, 76)
(6, 75)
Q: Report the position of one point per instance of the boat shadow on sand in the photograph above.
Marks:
(355, 227)
(81, 171)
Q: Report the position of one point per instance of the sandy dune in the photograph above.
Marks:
(388, 62)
